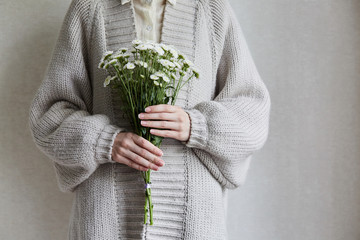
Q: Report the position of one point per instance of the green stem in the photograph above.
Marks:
(145, 210)
(150, 206)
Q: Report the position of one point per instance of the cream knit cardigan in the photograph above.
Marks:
(74, 121)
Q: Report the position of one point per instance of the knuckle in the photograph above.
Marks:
(122, 160)
(131, 164)
(125, 144)
(154, 149)
(137, 158)
(143, 152)
(142, 141)
(180, 118)
(163, 124)
(122, 151)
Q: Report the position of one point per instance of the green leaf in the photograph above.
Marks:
(156, 140)
(143, 130)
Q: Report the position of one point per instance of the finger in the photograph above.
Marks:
(138, 159)
(130, 163)
(161, 116)
(162, 108)
(165, 133)
(147, 155)
(161, 124)
(142, 142)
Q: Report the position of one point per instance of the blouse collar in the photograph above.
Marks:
(172, 2)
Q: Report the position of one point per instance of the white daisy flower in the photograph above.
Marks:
(156, 83)
(145, 65)
(165, 47)
(149, 46)
(174, 52)
(164, 62)
(159, 74)
(129, 65)
(154, 77)
(159, 50)
(107, 81)
(107, 53)
(118, 56)
(195, 71)
(177, 65)
(171, 64)
(113, 61)
(136, 41)
(188, 62)
(166, 79)
(142, 46)
(101, 64)
(123, 50)
(107, 64)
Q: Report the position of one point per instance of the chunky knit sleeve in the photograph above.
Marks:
(60, 117)
(226, 131)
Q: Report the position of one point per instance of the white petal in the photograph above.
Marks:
(154, 77)
(166, 79)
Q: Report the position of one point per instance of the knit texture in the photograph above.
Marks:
(74, 120)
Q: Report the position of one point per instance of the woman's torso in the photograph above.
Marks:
(189, 203)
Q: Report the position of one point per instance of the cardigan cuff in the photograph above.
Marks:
(105, 142)
(198, 129)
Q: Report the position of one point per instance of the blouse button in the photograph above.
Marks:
(148, 27)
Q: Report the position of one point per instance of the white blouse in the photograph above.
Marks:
(149, 18)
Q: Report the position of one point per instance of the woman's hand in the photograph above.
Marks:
(136, 152)
(170, 117)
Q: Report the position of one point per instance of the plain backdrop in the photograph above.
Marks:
(305, 182)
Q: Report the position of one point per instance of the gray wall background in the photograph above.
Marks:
(303, 185)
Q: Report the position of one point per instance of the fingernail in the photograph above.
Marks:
(147, 109)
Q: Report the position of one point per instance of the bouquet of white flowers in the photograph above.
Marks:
(151, 74)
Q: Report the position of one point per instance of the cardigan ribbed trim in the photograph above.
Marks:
(169, 194)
